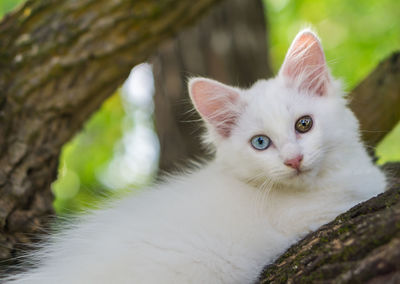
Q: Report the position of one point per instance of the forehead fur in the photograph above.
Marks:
(271, 103)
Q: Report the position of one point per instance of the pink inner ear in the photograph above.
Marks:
(305, 64)
(216, 103)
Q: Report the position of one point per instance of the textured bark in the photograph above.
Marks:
(376, 100)
(59, 60)
(229, 45)
(360, 246)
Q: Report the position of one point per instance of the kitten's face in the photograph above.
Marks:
(288, 129)
(271, 110)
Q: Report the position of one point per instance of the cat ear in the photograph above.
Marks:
(218, 104)
(305, 66)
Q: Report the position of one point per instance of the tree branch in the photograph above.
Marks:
(376, 100)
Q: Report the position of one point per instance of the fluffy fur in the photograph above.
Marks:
(224, 221)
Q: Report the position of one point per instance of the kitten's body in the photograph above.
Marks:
(206, 227)
(223, 222)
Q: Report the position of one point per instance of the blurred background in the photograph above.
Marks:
(118, 149)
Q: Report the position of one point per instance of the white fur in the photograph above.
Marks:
(226, 220)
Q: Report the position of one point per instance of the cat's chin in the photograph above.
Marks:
(298, 178)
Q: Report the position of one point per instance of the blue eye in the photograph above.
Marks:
(260, 142)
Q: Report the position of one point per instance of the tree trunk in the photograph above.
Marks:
(59, 60)
(229, 45)
(360, 246)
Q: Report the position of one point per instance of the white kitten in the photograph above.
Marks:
(288, 159)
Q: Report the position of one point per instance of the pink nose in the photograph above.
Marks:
(295, 162)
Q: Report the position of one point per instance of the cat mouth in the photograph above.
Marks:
(300, 172)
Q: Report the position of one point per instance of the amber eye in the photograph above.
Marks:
(303, 124)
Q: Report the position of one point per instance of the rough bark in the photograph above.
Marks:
(376, 100)
(229, 45)
(59, 60)
(359, 246)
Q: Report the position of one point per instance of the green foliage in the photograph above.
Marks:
(8, 5)
(84, 157)
(356, 35)
(389, 149)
